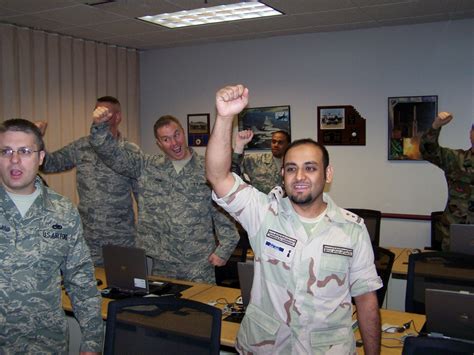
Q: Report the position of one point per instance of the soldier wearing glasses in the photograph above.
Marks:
(40, 238)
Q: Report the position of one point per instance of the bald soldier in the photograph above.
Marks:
(311, 256)
(458, 168)
(105, 197)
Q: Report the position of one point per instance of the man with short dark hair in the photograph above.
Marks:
(311, 257)
(262, 170)
(40, 239)
(178, 224)
(458, 168)
(105, 197)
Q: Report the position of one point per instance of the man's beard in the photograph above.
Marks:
(303, 200)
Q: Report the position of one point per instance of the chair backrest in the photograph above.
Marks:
(167, 325)
(423, 345)
(372, 220)
(437, 270)
(436, 237)
(227, 275)
(383, 259)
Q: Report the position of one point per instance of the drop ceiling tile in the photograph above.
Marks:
(126, 27)
(81, 15)
(36, 22)
(304, 6)
(31, 6)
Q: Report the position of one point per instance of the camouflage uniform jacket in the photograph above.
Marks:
(262, 170)
(105, 201)
(34, 251)
(176, 215)
(301, 294)
(458, 168)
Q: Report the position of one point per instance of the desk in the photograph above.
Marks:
(195, 289)
(400, 265)
(230, 329)
(210, 293)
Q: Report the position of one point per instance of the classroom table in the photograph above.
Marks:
(221, 296)
(195, 289)
(400, 264)
(391, 343)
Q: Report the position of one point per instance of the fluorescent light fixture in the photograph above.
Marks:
(214, 14)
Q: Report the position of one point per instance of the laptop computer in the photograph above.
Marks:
(450, 314)
(245, 271)
(126, 273)
(462, 238)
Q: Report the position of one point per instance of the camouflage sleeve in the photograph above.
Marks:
(433, 152)
(61, 160)
(226, 232)
(363, 277)
(80, 284)
(237, 163)
(116, 156)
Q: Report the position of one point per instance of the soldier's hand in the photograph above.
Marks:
(241, 139)
(442, 119)
(101, 114)
(230, 100)
(215, 260)
(42, 125)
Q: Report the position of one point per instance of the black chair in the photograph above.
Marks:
(436, 237)
(372, 220)
(227, 275)
(383, 259)
(423, 345)
(165, 325)
(438, 270)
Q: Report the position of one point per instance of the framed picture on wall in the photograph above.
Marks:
(408, 118)
(331, 118)
(264, 121)
(198, 129)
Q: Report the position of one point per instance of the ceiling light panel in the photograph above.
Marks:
(215, 14)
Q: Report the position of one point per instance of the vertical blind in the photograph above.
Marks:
(46, 76)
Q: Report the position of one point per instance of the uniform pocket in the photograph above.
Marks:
(259, 327)
(322, 340)
(332, 275)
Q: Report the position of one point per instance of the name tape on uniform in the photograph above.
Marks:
(331, 249)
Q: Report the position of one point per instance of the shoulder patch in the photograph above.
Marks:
(352, 217)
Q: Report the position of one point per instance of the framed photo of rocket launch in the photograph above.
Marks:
(408, 118)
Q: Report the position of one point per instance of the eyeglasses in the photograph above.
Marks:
(23, 152)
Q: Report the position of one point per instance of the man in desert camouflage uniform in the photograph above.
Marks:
(105, 200)
(176, 216)
(40, 238)
(263, 170)
(458, 168)
(311, 256)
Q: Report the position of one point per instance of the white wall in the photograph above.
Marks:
(360, 68)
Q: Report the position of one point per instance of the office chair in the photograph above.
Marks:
(423, 345)
(438, 270)
(227, 275)
(165, 325)
(383, 259)
(436, 238)
(372, 220)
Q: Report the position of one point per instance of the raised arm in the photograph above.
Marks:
(230, 100)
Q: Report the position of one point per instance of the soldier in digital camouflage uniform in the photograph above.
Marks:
(311, 256)
(458, 168)
(40, 238)
(263, 170)
(105, 199)
(176, 216)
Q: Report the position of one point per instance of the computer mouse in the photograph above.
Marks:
(415, 251)
(99, 282)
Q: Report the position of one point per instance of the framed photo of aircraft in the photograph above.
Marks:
(264, 121)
